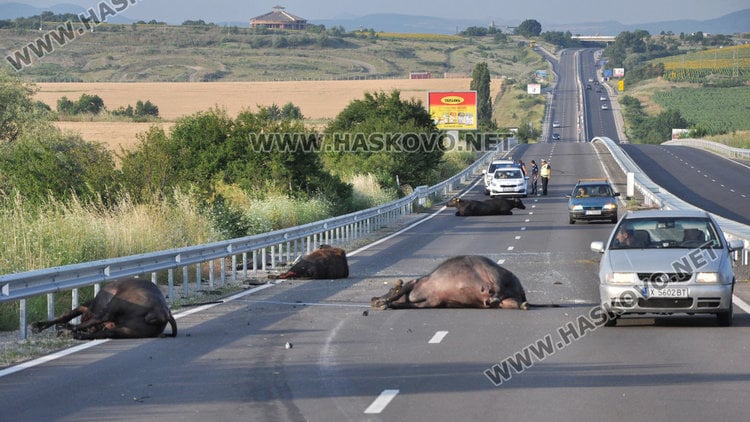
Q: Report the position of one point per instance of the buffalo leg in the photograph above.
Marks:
(40, 326)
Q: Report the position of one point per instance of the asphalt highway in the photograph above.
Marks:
(315, 351)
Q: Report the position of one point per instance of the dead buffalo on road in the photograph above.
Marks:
(129, 308)
(496, 206)
(468, 281)
(325, 262)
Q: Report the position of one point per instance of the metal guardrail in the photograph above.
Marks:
(281, 243)
(655, 195)
(743, 154)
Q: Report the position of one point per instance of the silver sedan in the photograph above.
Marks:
(666, 262)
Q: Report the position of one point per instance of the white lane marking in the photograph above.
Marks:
(438, 337)
(518, 237)
(381, 402)
(523, 228)
(527, 220)
(510, 248)
(48, 358)
(501, 261)
(741, 304)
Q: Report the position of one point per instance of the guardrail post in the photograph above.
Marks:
(185, 281)
(50, 305)
(22, 319)
(170, 281)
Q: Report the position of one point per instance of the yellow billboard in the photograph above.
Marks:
(453, 110)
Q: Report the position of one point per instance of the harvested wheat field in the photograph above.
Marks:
(318, 100)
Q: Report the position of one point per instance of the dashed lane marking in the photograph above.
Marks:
(438, 337)
(381, 402)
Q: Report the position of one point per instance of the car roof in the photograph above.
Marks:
(595, 182)
(666, 213)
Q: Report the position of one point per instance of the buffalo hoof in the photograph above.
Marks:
(524, 306)
(38, 327)
(379, 303)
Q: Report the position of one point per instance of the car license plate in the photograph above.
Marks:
(509, 189)
(668, 292)
(593, 212)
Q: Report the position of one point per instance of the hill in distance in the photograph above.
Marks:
(736, 22)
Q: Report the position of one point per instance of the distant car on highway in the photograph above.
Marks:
(555, 136)
(602, 98)
(592, 199)
(556, 124)
(490, 172)
(666, 262)
(605, 106)
(508, 181)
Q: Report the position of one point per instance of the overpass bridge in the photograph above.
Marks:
(595, 38)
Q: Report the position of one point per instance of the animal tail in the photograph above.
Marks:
(173, 324)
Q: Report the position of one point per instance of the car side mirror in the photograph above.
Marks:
(736, 245)
(484, 171)
(617, 193)
(597, 246)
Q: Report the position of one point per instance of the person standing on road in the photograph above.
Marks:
(545, 172)
(534, 176)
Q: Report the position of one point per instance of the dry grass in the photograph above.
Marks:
(319, 101)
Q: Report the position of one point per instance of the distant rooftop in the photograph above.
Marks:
(278, 18)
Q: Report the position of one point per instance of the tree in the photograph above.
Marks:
(480, 82)
(529, 28)
(146, 109)
(89, 104)
(383, 135)
(18, 111)
(51, 163)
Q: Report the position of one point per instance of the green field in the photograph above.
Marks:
(719, 110)
(728, 62)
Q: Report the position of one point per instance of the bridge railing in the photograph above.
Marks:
(656, 196)
(232, 257)
(716, 147)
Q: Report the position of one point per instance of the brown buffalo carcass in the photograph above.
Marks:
(468, 281)
(326, 262)
(496, 206)
(129, 308)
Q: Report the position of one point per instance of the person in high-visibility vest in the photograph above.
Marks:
(545, 172)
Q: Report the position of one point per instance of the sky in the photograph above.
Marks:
(545, 11)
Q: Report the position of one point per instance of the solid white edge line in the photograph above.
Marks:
(50, 357)
(381, 402)
(438, 337)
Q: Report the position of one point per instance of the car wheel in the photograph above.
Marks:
(571, 220)
(610, 319)
(486, 191)
(725, 318)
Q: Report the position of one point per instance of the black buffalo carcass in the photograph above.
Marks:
(129, 308)
(467, 281)
(495, 206)
(326, 262)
